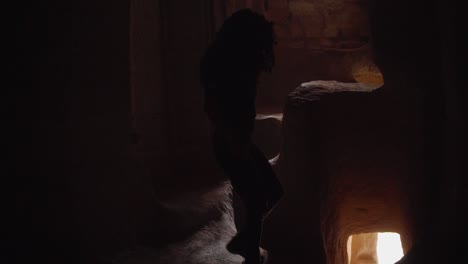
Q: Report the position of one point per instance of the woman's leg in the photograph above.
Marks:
(259, 190)
(254, 181)
(253, 230)
(241, 171)
(268, 182)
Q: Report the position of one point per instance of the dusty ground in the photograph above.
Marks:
(205, 246)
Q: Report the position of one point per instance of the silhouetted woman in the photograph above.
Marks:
(243, 48)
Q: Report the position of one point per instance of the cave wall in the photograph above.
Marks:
(171, 130)
(110, 122)
(406, 162)
(317, 40)
(78, 198)
(109, 115)
(362, 249)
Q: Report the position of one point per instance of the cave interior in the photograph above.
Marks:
(361, 119)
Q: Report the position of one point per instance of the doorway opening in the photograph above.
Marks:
(374, 248)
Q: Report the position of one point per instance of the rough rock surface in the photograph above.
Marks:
(206, 245)
(346, 160)
(363, 249)
(267, 134)
(317, 40)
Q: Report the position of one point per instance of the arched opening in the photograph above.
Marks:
(374, 248)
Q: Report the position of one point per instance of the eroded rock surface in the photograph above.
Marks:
(267, 134)
(349, 151)
(363, 249)
(211, 215)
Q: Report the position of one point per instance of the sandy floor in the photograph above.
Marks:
(205, 246)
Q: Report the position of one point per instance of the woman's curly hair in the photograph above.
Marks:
(243, 44)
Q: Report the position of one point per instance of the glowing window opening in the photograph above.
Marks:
(388, 249)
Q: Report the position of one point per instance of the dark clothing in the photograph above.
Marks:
(229, 80)
(230, 93)
(252, 178)
(255, 182)
(231, 113)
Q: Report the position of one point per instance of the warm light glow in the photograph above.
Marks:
(375, 248)
(389, 248)
(367, 74)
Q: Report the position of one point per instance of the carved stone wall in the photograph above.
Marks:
(317, 40)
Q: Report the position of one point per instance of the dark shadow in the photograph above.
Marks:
(241, 51)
